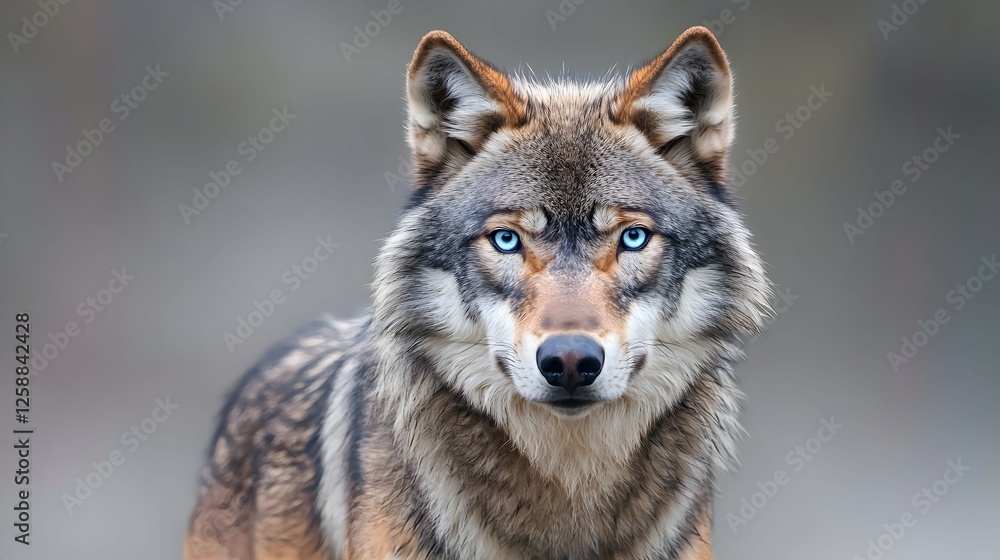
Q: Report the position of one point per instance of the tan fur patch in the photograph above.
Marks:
(379, 528)
(286, 533)
(217, 533)
(559, 303)
(701, 543)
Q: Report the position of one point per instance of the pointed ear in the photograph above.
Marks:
(455, 101)
(682, 102)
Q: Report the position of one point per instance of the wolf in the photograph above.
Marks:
(545, 371)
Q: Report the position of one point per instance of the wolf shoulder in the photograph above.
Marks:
(300, 367)
(260, 486)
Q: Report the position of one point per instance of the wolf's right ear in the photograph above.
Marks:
(682, 102)
(455, 100)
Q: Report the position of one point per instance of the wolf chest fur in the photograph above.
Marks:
(545, 370)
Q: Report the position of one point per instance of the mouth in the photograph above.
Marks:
(572, 407)
(570, 403)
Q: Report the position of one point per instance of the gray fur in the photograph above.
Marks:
(430, 426)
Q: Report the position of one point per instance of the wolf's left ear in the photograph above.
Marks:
(455, 100)
(682, 102)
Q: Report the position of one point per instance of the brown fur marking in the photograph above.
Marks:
(701, 543)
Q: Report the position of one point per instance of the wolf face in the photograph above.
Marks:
(571, 258)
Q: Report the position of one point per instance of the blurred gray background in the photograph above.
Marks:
(853, 298)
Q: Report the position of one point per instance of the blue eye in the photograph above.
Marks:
(634, 238)
(505, 241)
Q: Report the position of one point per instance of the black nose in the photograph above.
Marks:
(570, 360)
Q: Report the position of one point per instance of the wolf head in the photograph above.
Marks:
(571, 259)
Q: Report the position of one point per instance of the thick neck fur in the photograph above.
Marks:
(543, 481)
